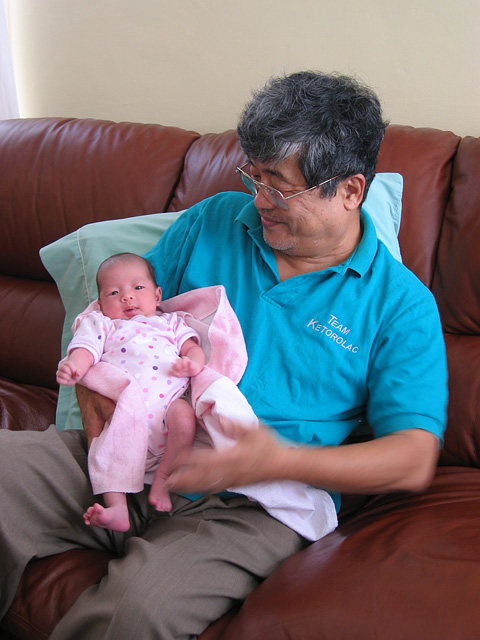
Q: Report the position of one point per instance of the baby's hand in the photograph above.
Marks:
(185, 368)
(68, 373)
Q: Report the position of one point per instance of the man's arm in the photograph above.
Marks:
(401, 461)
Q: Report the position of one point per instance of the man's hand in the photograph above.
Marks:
(96, 410)
(254, 457)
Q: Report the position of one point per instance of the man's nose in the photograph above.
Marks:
(261, 201)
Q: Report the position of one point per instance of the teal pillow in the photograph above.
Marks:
(73, 260)
(384, 205)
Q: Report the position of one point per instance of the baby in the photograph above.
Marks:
(129, 334)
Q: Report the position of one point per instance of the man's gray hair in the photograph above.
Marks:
(332, 123)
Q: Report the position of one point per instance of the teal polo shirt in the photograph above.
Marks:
(356, 344)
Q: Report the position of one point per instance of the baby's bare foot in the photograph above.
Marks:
(159, 495)
(161, 502)
(114, 518)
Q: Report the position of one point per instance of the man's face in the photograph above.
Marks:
(313, 226)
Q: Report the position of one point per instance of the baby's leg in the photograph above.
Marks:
(114, 516)
(180, 422)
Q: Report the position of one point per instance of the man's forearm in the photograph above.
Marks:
(403, 461)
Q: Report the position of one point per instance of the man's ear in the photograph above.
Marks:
(353, 188)
(158, 295)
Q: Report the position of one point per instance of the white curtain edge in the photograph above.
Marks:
(8, 91)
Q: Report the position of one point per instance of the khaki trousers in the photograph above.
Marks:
(175, 573)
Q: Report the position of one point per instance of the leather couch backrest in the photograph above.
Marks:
(457, 281)
(425, 159)
(209, 168)
(78, 171)
(456, 286)
(55, 176)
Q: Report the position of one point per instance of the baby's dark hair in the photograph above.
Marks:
(125, 257)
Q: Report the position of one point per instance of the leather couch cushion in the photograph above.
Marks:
(49, 588)
(26, 406)
(403, 560)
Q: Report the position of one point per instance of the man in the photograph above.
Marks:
(339, 335)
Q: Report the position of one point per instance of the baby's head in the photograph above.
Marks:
(127, 288)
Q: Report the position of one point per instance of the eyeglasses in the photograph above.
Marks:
(274, 196)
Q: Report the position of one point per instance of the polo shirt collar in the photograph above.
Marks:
(249, 215)
(360, 260)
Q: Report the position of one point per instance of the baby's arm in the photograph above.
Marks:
(74, 366)
(191, 361)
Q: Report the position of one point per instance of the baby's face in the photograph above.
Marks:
(127, 290)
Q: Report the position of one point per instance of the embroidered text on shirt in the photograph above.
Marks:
(336, 334)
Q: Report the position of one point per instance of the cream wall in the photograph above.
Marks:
(192, 63)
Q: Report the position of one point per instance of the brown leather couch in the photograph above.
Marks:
(400, 566)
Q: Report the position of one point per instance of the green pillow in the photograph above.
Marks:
(73, 260)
